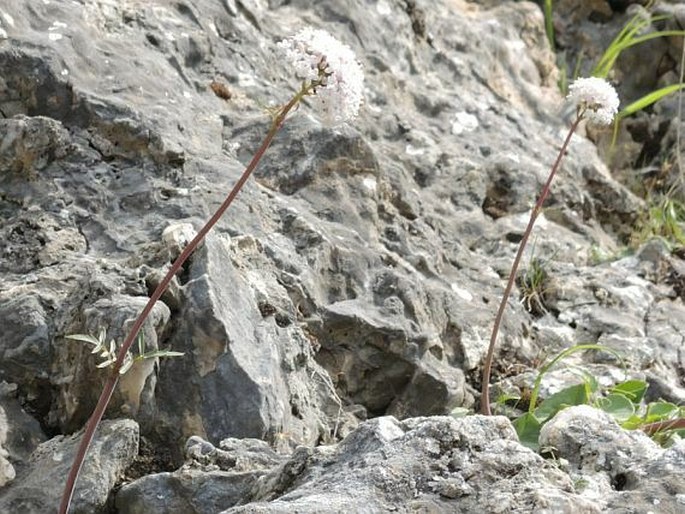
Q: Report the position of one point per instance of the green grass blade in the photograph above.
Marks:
(606, 62)
(627, 38)
(159, 353)
(549, 23)
(648, 100)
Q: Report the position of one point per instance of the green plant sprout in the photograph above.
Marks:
(331, 74)
(534, 284)
(109, 352)
(642, 103)
(529, 424)
(664, 219)
(623, 401)
(597, 256)
(629, 36)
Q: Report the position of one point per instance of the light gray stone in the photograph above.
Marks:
(39, 485)
(437, 464)
(358, 272)
(211, 479)
(621, 470)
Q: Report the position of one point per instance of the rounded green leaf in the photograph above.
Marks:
(620, 407)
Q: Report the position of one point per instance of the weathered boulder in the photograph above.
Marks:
(622, 471)
(358, 272)
(437, 464)
(212, 479)
(39, 484)
(20, 434)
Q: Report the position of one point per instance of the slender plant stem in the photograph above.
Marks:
(660, 426)
(487, 366)
(681, 171)
(113, 378)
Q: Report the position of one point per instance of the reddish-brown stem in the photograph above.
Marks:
(487, 366)
(660, 426)
(113, 378)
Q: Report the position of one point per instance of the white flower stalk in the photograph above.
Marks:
(595, 98)
(332, 71)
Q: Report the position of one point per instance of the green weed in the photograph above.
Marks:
(534, 284)
(108, 352)
(663, 218)
(630, 35)
(623, 401)
(597, 256)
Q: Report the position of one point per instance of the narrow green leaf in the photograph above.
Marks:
(160, 353)
(652, 35)
(85, 338)
(106, 363)
(128, 362)
(648, 100)
(141, 344)
(549, 23)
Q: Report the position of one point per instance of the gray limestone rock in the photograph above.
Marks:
(212, 479)
(358, 272)
(437, 464)
(20, 434)
(39, 484)
(623, 471)
(247, 370)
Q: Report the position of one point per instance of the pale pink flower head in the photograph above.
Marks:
(596, 97)
(319, 57)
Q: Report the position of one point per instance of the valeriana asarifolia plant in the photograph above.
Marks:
(596, 101)
(330, 74)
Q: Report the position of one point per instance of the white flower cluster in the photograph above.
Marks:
(597, 97)
(319, 57)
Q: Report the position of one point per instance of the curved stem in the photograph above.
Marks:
(487, 366)
(660, 426)
(113, 378)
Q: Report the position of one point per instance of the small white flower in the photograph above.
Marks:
(597, 97)
(319, 57)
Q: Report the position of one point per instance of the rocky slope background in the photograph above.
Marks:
(342, 306)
